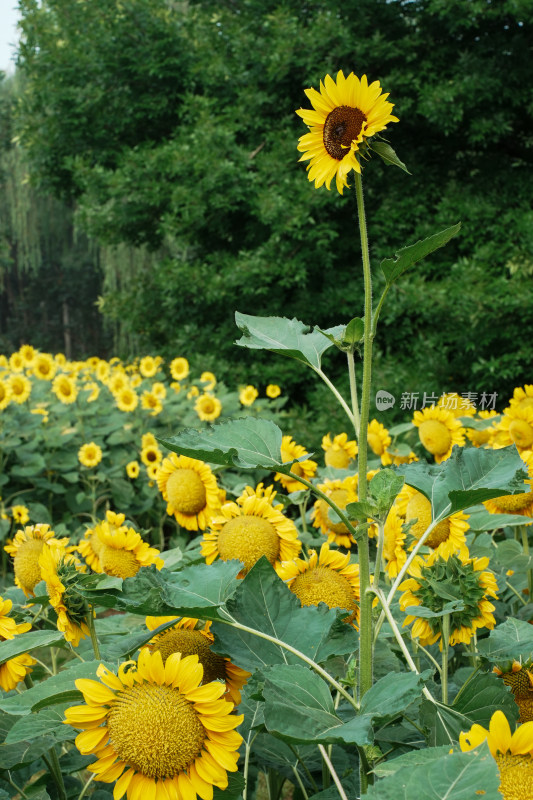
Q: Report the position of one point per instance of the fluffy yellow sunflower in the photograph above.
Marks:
(44, 367)
(378, 437)
(248, 530)
(16, 362)
(519, 678)
(341, 492)
(117, 549)
(19, 388)
(26, 548)
(28, 354)
(394, 543)
(190, 490)
(516, 427)
(273, 390)
(60, 570)
(327, 577)
(339, 451)
(191, 637)
(65, 389)
(15, 669)
(209, 379)
(513, 753)
(439, 431)
(117, 381)
(248, 395)
(346, 112)
(462, 578)
(305, 469)
(208, 407)
(102, 371)
(149, 366)
(5, 394)
(447, 536)
(132, 469)
(151, 403)
(179, 368)
(21, 514)
(151, 454)
(521, 503)
(126, 399)
(155, 730)
(90, 454)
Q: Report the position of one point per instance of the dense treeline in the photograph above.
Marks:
(171, 128)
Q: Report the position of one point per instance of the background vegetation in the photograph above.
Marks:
(165, 133)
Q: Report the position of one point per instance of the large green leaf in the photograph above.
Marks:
(29, 641)
(289, 337)
(513, 639)
(481, 696)
(480, 519)
(48, 722)
(299, 708)
(246, 443)
(263, 602)
(469, 476)
(457, 776)
(387, 698)
(392, 268)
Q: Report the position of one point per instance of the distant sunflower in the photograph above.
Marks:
(346, 113)
(28, 354)
(5, 394)
(16, 362)
(248, 395)
(378, 437)
(190, 490)
(15, 669)
(151, 403)
(151, 454)
(209, 379)
(341, 492)
(179, 368)
(305, 469)
(127, 399)
(44, 367)
(459, 406)
(519, 678)
(327, 577)
(189, 637)
(339, 451)
(439, 431)
(512, 753)
(90, 454)
(60, 570)
(21, 514)
(91, 546)
(391, 457)
(447, 537)
(20, 388)
(479, 438)
(26, 548)
(149, 366)
(156, 730)
(65, 389)
(123, 552)
(132, 469)
(208, 407)
(94, 391)
(249, 530)
(273, 390)
(117, 381)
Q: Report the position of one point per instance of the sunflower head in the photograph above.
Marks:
(339, 451)
(190, 490)
(346, 113)
(447, 536)
(521, 503)
(61, 572)
(26, 549)
(341, 492)
(14, 670)
(439, 431)
(90, 454)
(208, 407)
(248, 395)
(305, 469)
(179, 368)
(516, 427)
(519, 678)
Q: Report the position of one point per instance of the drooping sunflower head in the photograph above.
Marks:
(341, 493)
(208, 407)
(26, 548)
(91, 545)
(519, 677)
(155, 730)
(90, 454)
(448, 536)
(339, 451)
(190, 490)
(439, 430)
(327, 578)
(117, 549)
(248, 530)
(305, 469)
(61, 572)
(438, 578)
(394, 543)
(190, 637)
(346, 113)
(512, 753)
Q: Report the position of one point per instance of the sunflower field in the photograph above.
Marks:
(194, 605)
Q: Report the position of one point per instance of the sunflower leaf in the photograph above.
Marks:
(248, 443)
(392, 268)
(387, 154)
(26, 642)
(468, 477)
(288, 337)
(512, 640)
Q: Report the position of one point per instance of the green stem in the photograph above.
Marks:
(322, 672)
(525, 546)
(365, 622)
(353, 394)
(15, 787)
(247, 751)
(57, 775)
(304, 767)
(303, 508)
(92, 631)
(445, 646)
(379, 554)
(88, 783)
(524, 602)
(337, 394)
(332, 772)
(300, 782)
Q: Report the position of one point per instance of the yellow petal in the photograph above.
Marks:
(122, 784)
(95, 692)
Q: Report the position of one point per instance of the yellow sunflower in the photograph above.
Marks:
(339, 451)
(485, 436)
(463, 578)
(516, 427)
(25, 548)
(513, 753)
(447, 536)
(260, 490)
(155, 730)
(151, 454)
(122, 551)
(102, 371)
(439, 431)
(190, 490)
(522, 397)
(327, 577)
(117, 381)
(44, 367)
(28, 354)
(91, 545)
(209, 379)
(378, 437)
(248, 395)
(16, 362)
(65, 389)
(305, 469)
(60, 570)
(151, 403)
(394, 543)
(149, 366)
(341, 492)
(519, 677)
(90, 454)
(273, 391)
(94, 391)
(126, 399)
(208, 407)
(388, 458)
(179, 368)
(191, 637)
(21, 514)
(459, 406)
(132, 469)
(153, 472)
(19, 388)
(248, 530)
(159, 389)
(5, 394)
(148, 439)
(14, 670)
(521, 503)
(346, 113)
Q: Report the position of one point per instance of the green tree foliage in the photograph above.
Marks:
(172, 126)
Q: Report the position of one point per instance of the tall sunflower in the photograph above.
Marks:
(439, 430)
(208, 407)
(434, 580)
(90, 454)
(306, 469)
(61, 570)
(190, 490)
(341, 492)
(26, 548)
(346, 112)
(190, 637)
(513, 753)
(326, 577)
(44, 367)
(248, 530)
(339, 451)
(15, 669)
(20, 388)
(155, 730)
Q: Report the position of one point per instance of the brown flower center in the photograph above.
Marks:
(247, 538)
(342, 126)
(186, 491)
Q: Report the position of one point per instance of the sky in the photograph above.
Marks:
(8, 34)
